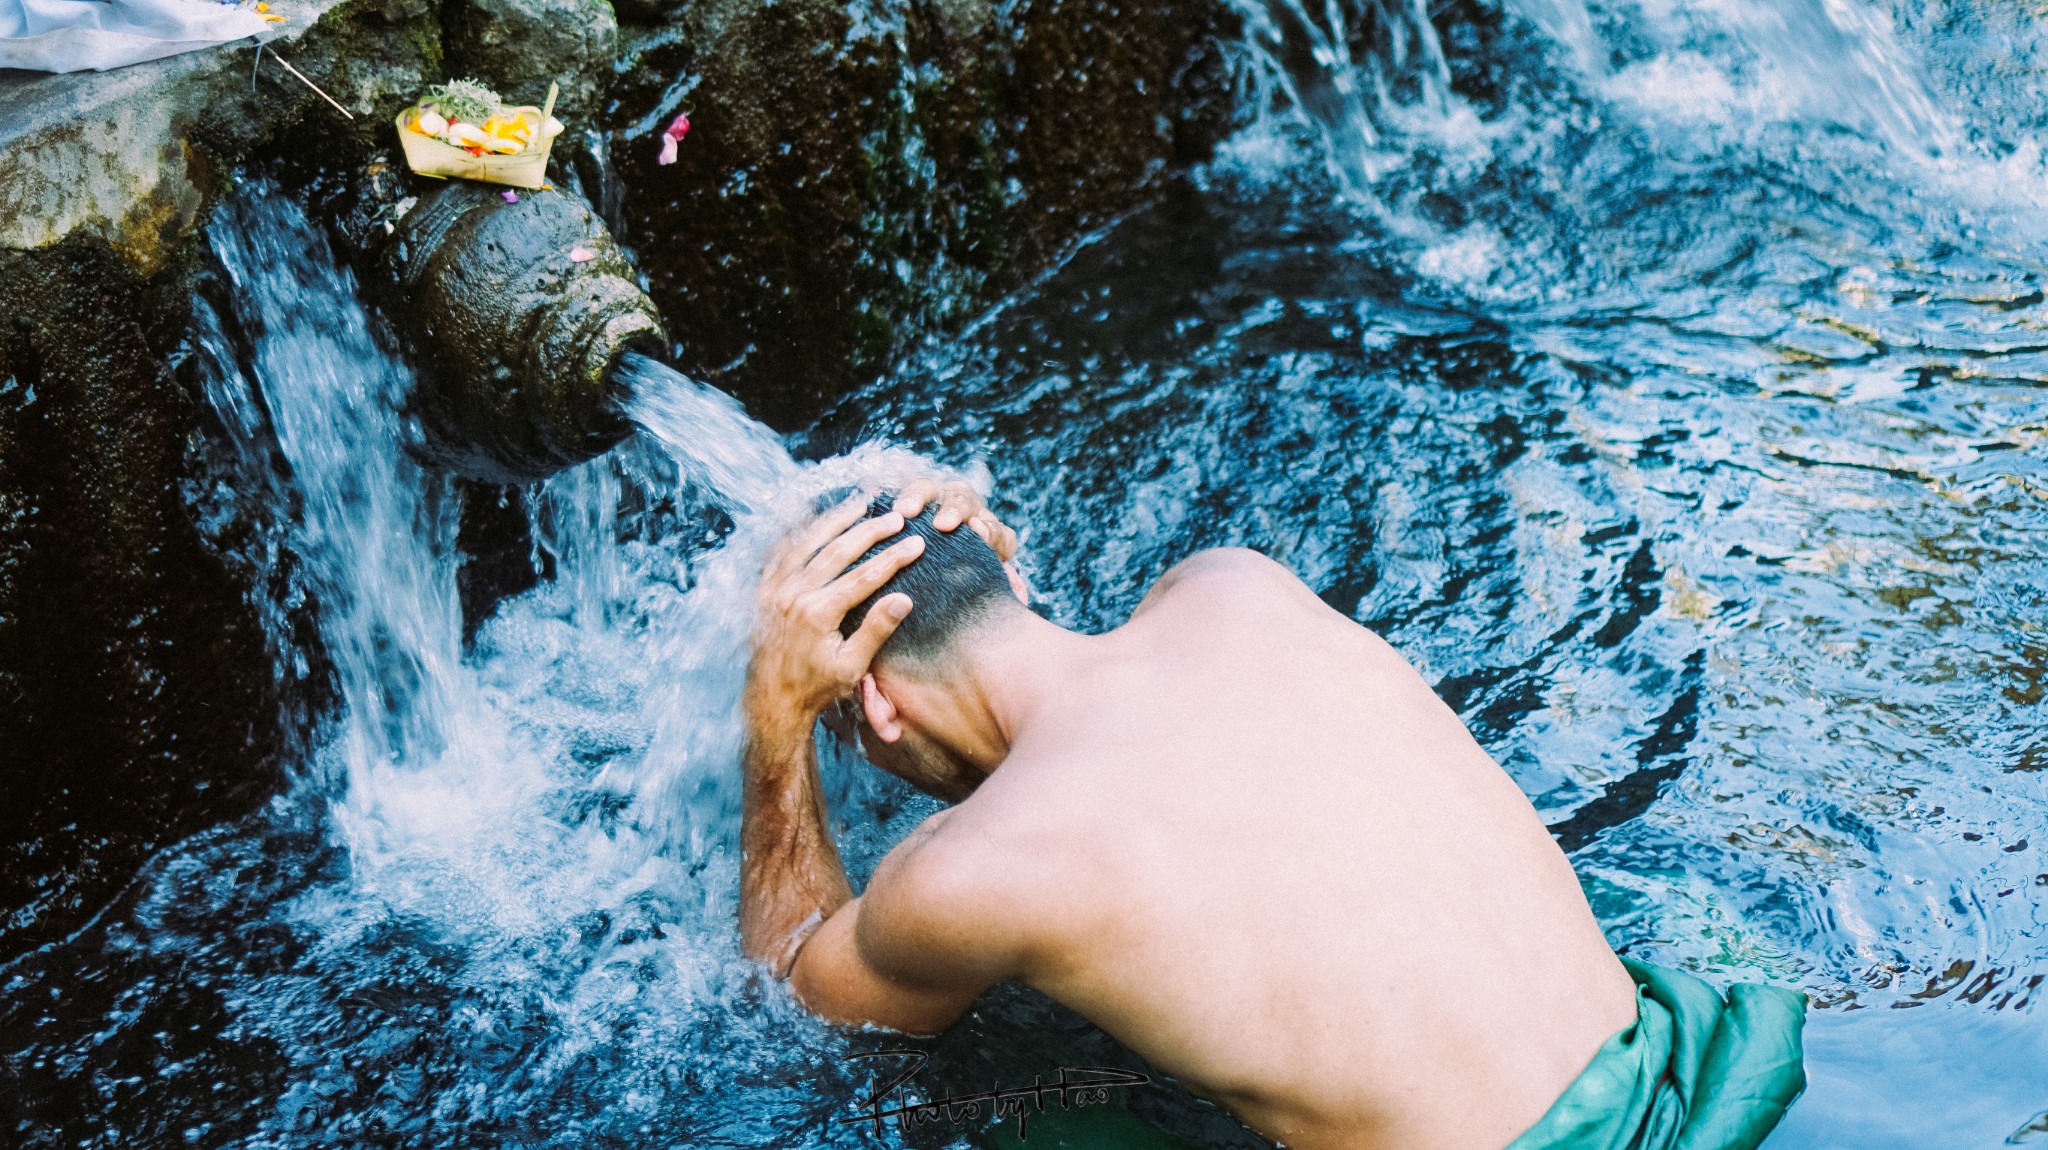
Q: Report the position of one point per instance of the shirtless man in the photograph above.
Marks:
(1238, 832)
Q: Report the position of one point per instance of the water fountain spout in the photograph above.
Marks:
(519, 308)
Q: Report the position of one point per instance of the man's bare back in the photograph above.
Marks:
(1265, 856)
(1242, 835)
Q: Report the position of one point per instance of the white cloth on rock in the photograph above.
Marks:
(80, 35)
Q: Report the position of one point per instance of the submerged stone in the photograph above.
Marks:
(519, 47)
(517, 313)
(858, 179)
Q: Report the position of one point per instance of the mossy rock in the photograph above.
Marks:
(519, 47)
(846, 189)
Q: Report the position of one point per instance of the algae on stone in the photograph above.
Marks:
(514, 340)
(852, 185)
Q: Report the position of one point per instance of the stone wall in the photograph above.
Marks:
(850, 186)
(137, 691)
(859, 177)
(137, 697)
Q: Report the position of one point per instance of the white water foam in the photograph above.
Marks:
(1567, 188)
(575, 775)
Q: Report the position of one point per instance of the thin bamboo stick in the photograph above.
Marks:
(310, 84)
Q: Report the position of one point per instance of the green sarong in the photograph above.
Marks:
(1089, 1128)
(1696, 1072)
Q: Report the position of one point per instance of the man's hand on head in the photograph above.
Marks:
(958, 503)
(801, 664)
(798, 913)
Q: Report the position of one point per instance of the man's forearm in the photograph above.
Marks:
(790, 875)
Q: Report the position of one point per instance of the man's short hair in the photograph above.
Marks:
(954, 584)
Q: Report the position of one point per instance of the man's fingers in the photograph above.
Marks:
(854, 542)
(912, 497)
(957, 502)
(822, 530)
(1000, 539)
(842, 593)
(876, 629)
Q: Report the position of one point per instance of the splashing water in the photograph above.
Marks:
(1675, 405)
(1355, 70)
(1837, 62)
(363, 508)
(1690, 445)
(501, 886)
(1408, 130)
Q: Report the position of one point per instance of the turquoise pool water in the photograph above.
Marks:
(1669, 383)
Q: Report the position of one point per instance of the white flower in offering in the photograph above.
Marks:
(506, 144)
(464, 100)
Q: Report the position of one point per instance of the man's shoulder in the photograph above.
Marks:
(1230, 563)
(964, 880)
(1227, 576)
(969, 851)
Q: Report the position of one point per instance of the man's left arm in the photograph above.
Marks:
(844, 957)
(794, 895)
(791, 878)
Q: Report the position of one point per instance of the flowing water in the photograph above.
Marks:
(1667, 381)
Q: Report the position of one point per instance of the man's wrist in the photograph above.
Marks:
(772, 722)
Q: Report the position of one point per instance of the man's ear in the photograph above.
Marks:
(1018, 587)
(881, 713)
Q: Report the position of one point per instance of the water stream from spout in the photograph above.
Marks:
(573, 776)
(724, 454)
(1675, 407)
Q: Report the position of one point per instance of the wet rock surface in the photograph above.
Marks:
(519, 47)
(138, 693)
(848, 188)
(516, 312)
(140, 703)
(858, 178)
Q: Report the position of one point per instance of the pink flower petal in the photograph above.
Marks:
(678, 127)
(581, 255)
(668, 150)
(509, 196)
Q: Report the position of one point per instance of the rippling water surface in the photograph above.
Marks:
(1669, 382)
